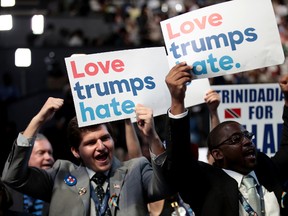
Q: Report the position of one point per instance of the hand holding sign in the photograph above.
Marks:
(107, 86)
(176, 80)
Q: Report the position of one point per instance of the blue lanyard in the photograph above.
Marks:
(248, 207)
(100, 209)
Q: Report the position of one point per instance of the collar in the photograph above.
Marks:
(91, 172)
(238, 176)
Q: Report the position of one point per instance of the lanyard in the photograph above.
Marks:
(100, 209)
(248, 207)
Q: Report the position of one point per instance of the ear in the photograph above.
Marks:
(75, 152)
(217, 154)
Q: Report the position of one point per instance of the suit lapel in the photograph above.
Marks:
(82, 188)
(231, 190)
(116, 180)
(117, 176)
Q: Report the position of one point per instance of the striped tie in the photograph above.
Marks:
(38, 207)
(33, 206)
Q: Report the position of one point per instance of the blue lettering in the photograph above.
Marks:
(78, 88)
(136, 84)
(128, 107)
(226, 63)
(84, 110)
(260, 112)
(103, 111)
(200, 67)
(268, 139)
(251, 36)
(148, 81)
(235, 40)
(270, 143)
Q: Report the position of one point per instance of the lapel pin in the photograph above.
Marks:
(82, 191)
(116, 186)
(70, 180)
(113, 200)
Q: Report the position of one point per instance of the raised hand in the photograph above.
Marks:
(212, 99)
(177, 80)
(45, 114)
(145, 122)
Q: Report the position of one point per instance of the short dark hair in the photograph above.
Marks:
(214, 136)
(74, 132)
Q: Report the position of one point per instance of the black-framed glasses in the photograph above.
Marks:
(236, 138)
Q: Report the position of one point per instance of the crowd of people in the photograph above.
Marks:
(169, 181)
(159, 172)
(137, 24)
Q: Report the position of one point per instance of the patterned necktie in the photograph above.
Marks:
(99, 179)
(253, 197)
(38, 207)
(32, 205)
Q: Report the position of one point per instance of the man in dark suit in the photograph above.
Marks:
(217, 190)
(41, 157)
(71, 190)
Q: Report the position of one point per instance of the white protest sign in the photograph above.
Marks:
(107, 86)
(258, 107)
(224, 38)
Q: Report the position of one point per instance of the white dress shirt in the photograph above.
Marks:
(271, 204)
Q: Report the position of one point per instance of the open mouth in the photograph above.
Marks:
(250, 154)
(102, 157)
(46, 166)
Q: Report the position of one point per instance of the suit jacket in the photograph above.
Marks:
(18, 206)
(208, 189)
(132, 184)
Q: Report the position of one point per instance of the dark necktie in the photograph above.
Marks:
(99, 179)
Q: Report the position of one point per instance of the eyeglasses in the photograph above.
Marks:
(236, 138)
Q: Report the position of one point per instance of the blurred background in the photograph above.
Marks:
(37, 35)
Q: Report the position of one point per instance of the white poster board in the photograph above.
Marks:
(224, 38)
(107, 86)
(258, 107)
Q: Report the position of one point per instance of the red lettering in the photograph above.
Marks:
(105, 68)
(91, 69)
(184, 28)
(201, 24)
(117, 65)
(215, 19)
(187, 27)
(170, 34)
(74, 70)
